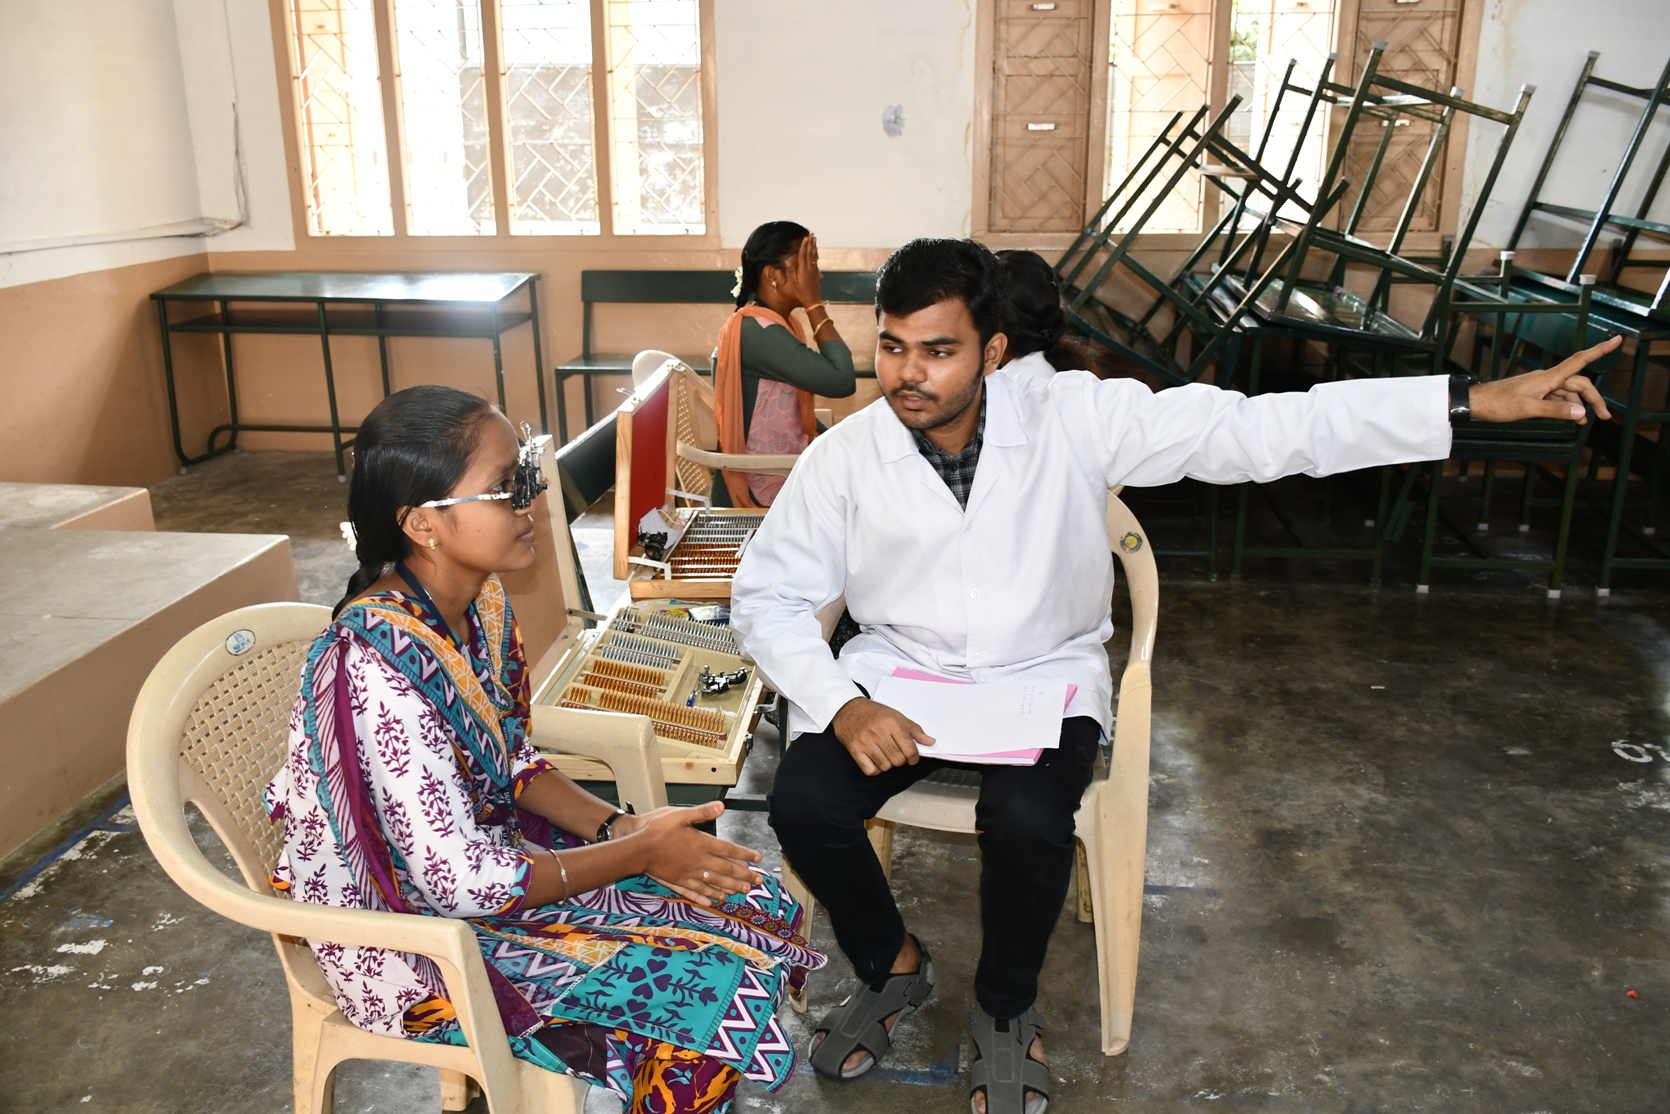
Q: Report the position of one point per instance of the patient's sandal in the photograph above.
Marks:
(1005, 1069)
(859, 1024)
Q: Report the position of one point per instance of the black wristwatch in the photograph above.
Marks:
(606, 830)
(1461, 403)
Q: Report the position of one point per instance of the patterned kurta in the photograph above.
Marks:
(397, 795)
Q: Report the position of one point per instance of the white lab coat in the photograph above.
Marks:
(1020, 585)
(1033, 363)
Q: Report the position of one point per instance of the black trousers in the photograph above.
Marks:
(1025, 814)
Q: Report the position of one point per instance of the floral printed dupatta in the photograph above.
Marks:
(609, 985)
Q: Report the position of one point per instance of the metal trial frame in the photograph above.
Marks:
(320, 292)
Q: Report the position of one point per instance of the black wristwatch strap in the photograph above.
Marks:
(606, 830)
(1461, 407)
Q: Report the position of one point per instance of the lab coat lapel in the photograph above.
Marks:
(897, 448)
(1004, 433)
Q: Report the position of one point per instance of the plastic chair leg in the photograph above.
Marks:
(457, 1089)
(1081, 873)
(881, 839)
(797, 890)
(1116, 897)
(313, 1070)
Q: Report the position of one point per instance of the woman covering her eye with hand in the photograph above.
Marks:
(612, 940)
(766, 375)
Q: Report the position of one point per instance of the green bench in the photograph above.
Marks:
(670, 288)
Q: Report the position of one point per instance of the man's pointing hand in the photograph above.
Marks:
(1559, 392)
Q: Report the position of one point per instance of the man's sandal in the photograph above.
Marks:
(1005, 1069)
(859, 1024)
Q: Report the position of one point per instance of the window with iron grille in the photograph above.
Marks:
(1068, 123)
(407, 111)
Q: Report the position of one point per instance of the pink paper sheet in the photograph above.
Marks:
(997, 757)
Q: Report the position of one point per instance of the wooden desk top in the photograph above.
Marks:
(317, 286)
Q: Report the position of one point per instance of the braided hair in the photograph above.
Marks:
(1033, 319)
(769, 245)
(413, 447)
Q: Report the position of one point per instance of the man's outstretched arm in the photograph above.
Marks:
(1148, 440)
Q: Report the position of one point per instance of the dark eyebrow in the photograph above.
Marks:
(931, 342)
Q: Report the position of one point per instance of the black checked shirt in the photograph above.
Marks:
(957, 471)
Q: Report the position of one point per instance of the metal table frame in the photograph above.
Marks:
(478, 293)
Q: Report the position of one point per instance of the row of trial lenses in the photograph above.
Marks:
(704, 636)
(616, 650)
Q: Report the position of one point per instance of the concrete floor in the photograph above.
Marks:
(1405, 853)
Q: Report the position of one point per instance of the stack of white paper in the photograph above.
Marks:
(1003, 723)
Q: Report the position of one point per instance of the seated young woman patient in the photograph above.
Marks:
(765, 375)
(616, 944)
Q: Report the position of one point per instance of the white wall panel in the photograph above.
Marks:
(805, 89)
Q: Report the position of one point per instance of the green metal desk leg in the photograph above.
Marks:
(1527, 497)
(1380, 535)
(1241, 496)
(168, 375)
(1655, 481)
(562, 406)
(1423, 581)
(383, 344)
(330, 391)
(1484, 496)
(1626, 449)
(1574, 469)
(538, 359)
(1255, 365)
(1211, 533)
(231, 380)
(498, 360)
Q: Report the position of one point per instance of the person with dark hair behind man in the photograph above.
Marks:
(1032, 319)
(962, 518)
(765, 375)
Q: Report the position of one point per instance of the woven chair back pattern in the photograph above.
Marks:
(236, 738)
(692, 477)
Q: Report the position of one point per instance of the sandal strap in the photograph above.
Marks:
(859, 1023)
(1004, 1068)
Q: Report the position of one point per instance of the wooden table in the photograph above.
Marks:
(342, 304)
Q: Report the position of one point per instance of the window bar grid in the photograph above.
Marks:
(449, 186)
(339, 106)
(549, 115)
(655, 110)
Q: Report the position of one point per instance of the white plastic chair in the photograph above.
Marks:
(210, 728)
(1112, 819)
(650, 361)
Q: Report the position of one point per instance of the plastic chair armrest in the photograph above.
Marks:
(755, 464)
(626, 744)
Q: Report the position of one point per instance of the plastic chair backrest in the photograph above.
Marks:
(236, 731)
(650, 361)
(1142, 577)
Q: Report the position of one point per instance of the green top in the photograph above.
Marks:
(772, 352)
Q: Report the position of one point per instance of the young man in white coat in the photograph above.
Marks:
(962, 517)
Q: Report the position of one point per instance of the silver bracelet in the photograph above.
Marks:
(564, 871)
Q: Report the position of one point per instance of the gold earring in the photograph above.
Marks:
(433, 543)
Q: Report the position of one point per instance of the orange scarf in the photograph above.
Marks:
(727, 395)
